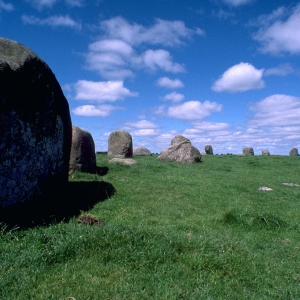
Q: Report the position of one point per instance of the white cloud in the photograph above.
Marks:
(276, 110)
(161, 59)
(237, 2)
(40, 4)
(239, 78)
(145, 132)
(174, 97)
(111, 58)
(94, 111)
(193, 110)
(281, 70)
(142, 124)
(6, 6)
(280, 31)
(118, 52)
(102, 91)
(167, 33)
(54, 21)
(170, 83)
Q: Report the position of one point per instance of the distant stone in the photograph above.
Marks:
(35, 128)
(125, 161)
(265, 153)
(141, 151)
(208, 149)
(248, 151)
(294, 152)
(181, 150)
(119, 144)
(83, 156)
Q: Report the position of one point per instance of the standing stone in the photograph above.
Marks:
(208, 149)
(141, 151)
(83, 156)
(119, 144)
(294, 152)
(265, 153)
(248, 151)
(181, 150)
(35, 127)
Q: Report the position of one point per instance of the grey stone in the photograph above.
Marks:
(265, 152)
(248, 151)
(83, 156)
(208, 149)
(181, 150)
(141, 151)
(125, 161)
(35, 127)
(294, 152)
(119, 144)
(178, 139)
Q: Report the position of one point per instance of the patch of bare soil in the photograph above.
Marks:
(89, 220)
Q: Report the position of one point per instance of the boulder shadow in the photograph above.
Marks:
(67, 203)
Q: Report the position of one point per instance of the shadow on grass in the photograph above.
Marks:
(68, 203)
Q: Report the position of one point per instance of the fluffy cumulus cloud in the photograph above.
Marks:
(142, 128)
(280, 31)
(239, 78)
(193, 110)
(276, 110)
(163, 32)
(101, 91)
(170, 83)
(103, 110)
(6, 6)
(160, 59)
(117, 54)
(237, 2)
(174, 97)
(53, 21)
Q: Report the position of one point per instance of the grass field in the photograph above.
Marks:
(172, 231)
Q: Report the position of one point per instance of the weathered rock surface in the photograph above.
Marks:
(178, 139)
(83, 156)
(248, 151)
(125, 161)
(294, 152)
(208, 149)
(35, 127)
(119, 144)
(265, 152)
(181, 150)
(141, 151)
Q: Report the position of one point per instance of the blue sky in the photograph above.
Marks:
(220, 72)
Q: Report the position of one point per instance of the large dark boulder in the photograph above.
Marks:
(83, 155)
(181, 150)
(119, 144)
(35, 127)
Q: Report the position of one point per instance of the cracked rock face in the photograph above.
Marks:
(35, 127)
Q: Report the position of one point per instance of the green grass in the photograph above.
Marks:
(172, 231)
